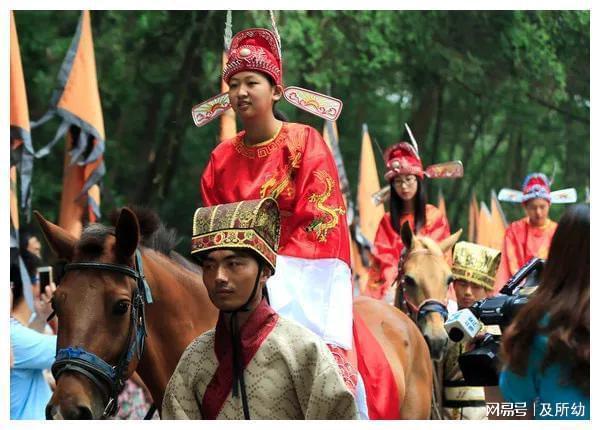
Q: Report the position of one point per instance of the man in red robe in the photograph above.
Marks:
(530, 236)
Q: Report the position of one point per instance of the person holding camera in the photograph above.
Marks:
(33, 350)
(474, 269)
(546, 349)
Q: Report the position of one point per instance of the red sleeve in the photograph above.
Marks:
(318, 227)
(207, 182)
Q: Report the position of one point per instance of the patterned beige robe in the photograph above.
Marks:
(293, 375)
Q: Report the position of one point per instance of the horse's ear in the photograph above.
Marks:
(449, 242)
(60, 240)
(128, 234)
(406, 234)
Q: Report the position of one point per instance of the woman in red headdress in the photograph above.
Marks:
(291, 163)
(530, 236)
(408, 202)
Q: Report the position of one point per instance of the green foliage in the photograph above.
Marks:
(507, 92)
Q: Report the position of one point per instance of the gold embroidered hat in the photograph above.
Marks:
(475, 263)
(250, 224)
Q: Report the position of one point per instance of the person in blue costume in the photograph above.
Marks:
(546, 349)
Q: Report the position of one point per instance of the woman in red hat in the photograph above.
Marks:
(530, 236)
(408, 202)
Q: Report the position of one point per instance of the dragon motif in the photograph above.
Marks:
(322, 225)
(274, 188)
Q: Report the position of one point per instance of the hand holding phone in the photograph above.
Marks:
(45, 277)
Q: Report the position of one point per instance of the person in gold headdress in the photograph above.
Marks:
(474, 268)
(255, 364)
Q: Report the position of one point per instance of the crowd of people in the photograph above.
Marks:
(272, 240)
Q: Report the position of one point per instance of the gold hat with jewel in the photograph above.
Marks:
(250, 224)
(475, 263)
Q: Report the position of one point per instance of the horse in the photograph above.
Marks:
(424, 277)
(124, 306)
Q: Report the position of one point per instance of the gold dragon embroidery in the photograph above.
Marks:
(322, 225)
(274, 188)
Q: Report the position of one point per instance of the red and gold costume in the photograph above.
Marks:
(523, 241)
(389, 246)
(403, 159)
(312, 284)
(295, 168)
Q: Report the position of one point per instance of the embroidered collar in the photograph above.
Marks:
(263, 149)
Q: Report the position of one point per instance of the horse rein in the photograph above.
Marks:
(110, 379)
(427, 305)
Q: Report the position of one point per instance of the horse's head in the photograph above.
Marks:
(99, 316)
(423, 287)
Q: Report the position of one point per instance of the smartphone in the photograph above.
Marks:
(44, 277)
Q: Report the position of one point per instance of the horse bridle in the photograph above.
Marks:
(110, 379)
(426, 306)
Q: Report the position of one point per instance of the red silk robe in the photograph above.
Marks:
(522, 242)
(389, 246)
(297, 169)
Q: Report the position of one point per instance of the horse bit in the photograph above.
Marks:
(101, 373)
(427, 305)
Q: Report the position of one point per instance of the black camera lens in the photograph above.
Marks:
(455, 334)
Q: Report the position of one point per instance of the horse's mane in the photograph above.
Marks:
(154, 234)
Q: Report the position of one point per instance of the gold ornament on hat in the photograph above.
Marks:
(250, 224)
(475, 263)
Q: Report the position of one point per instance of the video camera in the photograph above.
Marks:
(480, 365)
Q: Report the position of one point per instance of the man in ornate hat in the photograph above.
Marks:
(474, 268)
(255, 364)
(530, 236)
(291, 163)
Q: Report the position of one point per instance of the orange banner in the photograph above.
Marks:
(442, 204)
(497, 223)
(80, 107)
(14, 200)
(368, 183)
(473, 219)
(19, 112)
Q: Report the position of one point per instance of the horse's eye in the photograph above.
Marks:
(409, 281)
(120, 308)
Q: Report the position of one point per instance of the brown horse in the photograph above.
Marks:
(104, 310)
(423, 281)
